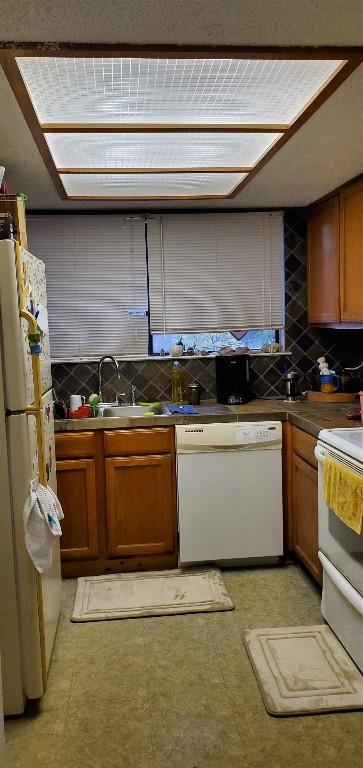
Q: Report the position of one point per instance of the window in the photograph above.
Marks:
(212, 342)
(96, 284)
(114, 283)
(215, 272)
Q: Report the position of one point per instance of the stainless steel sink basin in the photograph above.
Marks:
(131, 411)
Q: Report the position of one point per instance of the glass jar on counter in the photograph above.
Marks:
(193, 393)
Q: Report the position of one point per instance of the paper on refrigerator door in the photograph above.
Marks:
(18, 374)
(34, 284)
(42, 319)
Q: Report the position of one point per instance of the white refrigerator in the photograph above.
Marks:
(29, 601)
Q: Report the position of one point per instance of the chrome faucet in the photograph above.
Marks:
(357, 367)
(99, 369)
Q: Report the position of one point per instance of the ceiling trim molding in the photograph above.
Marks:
(152, 212)
(146, 197)
(90, 50)
(16, 81)
(118, 170)
(162, 128)
(335, 81)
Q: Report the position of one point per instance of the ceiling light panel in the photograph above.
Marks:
(149, 185)
(155, 150)
(123, 90)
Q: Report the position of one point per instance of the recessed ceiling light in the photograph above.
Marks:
(155, 150)
(150, 185)
(157, 127)
(86, 90)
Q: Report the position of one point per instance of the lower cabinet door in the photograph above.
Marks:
(304, 484)
(76, 484)
(140, 505)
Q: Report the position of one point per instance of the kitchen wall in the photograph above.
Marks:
(306, 344)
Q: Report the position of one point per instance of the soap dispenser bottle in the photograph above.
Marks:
(177, 384)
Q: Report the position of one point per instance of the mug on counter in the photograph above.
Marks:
(76, 401)
(329, 382)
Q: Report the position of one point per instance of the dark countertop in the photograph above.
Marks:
(309, 416)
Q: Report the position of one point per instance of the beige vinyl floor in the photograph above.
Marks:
(179, 691)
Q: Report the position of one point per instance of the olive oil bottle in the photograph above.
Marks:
(177, 384)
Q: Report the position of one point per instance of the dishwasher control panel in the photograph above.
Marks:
(228, 436)
(255, 433)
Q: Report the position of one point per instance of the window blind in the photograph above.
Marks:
(215, 272)
(96, 282)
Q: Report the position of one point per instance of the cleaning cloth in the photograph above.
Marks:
(42, 513)
(343, 493)
(184, 409)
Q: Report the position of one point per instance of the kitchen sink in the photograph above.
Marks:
(131, 411)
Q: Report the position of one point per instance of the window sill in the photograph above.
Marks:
(160, 358)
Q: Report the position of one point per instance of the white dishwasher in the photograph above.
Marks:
(229, 492)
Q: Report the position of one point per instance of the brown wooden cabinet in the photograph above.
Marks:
(323, 263)
(335, 258)
(303, 501)
(305, 514)
(77, 492)
(76, 482)
(140, 509)
(351, 250)
(118, 493)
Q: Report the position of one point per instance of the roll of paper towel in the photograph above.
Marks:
(2, 171)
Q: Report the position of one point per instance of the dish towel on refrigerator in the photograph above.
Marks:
(343, 493)
(42, 513)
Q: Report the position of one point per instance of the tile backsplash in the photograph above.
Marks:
(152, 377)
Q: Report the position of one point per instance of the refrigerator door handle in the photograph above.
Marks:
(35, 409)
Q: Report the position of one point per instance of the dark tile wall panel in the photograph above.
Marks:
(152, 377)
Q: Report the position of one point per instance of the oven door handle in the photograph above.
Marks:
(342, 584)
(319, 455)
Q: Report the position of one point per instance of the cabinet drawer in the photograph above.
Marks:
(304, 444)
(76, 445)
(138, 441)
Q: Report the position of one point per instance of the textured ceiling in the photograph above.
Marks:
(326, 151)
(198, 22)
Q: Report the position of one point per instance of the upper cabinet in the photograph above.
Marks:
(335, 258)
(351, 250)
(323, 263)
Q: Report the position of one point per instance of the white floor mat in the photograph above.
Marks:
(302, 670)
(155, 593)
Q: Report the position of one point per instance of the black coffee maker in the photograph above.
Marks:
(233, 379)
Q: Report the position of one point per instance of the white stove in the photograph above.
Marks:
(340, 548)
(348, 441)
